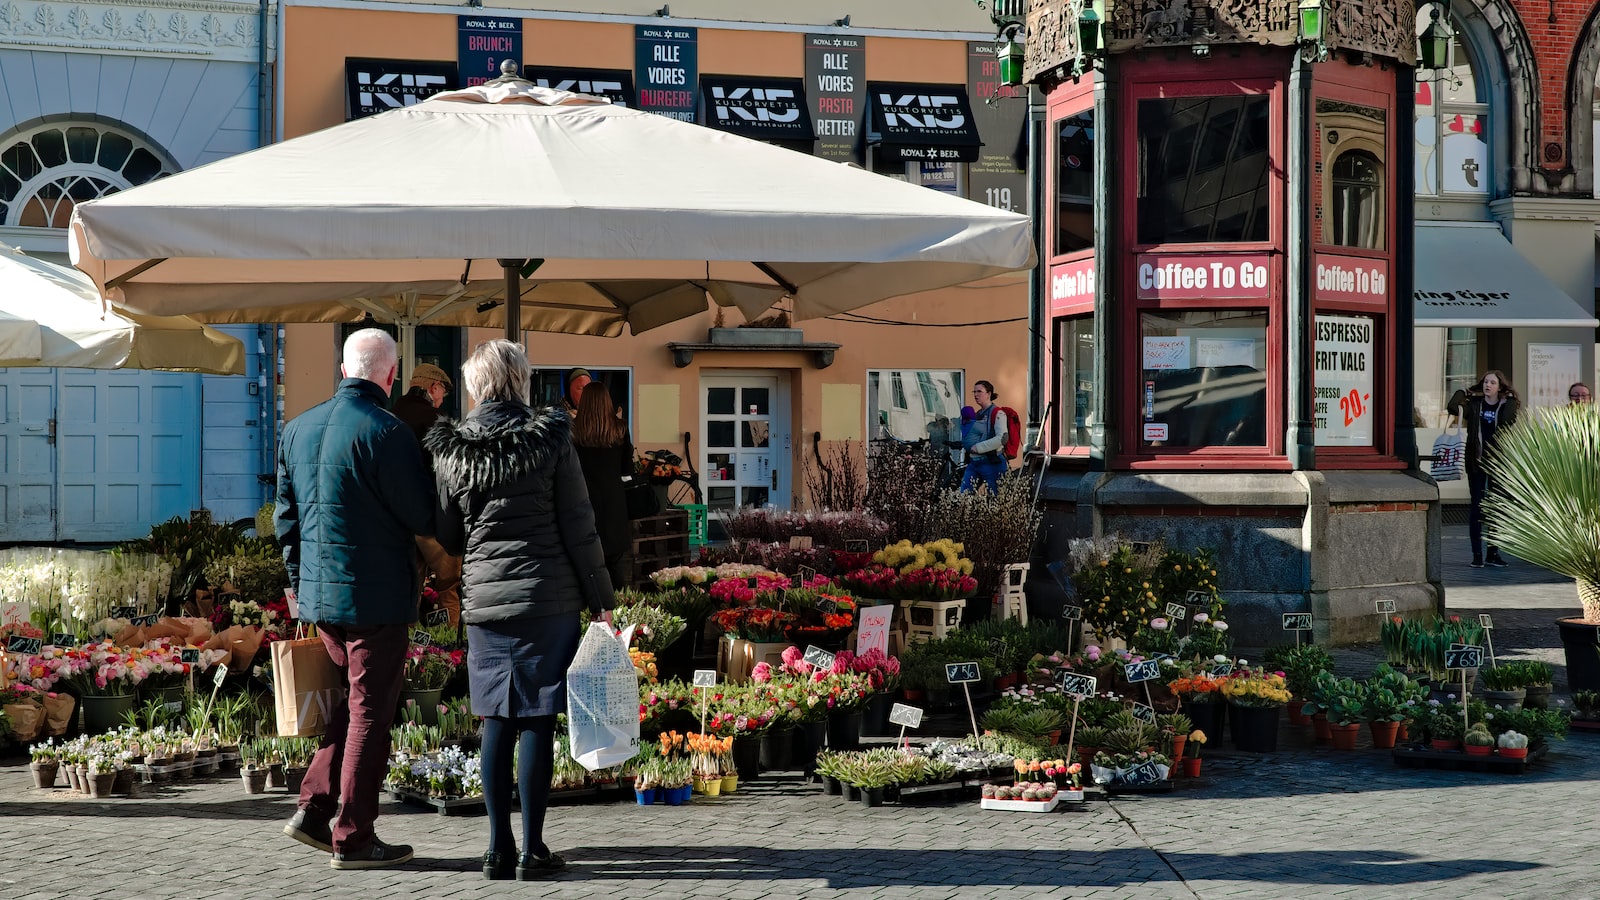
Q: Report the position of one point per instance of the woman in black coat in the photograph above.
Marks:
(512, 502)
(1486, 408)
(606, 455)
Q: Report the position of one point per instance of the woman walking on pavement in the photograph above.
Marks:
(512, 501)
(985, 440)
(1489, 407)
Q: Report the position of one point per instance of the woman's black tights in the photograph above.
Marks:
(535, 756)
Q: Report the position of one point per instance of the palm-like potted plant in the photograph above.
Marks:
(1545, 508)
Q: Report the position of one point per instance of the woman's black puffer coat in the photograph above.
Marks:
(512, 502)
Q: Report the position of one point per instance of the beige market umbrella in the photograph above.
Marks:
(587, 216)
(71, 326)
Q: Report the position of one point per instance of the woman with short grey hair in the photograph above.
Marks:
(497, 370)
(513, 504)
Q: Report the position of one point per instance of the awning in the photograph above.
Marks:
(763, 109)
(1469, 276)
(615, 85)
(922, 122)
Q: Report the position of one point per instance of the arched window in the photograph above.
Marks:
(1358, 200)
(1452, 125)
(46, 170)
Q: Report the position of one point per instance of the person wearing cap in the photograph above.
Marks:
(419, 406)
(419, 409)
(577, 378)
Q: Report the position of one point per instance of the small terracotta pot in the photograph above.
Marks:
(1514, 752)
(1475, 750)
(1445, 746)
(1191, 767)
(1344, 736)
(1384, 734)
(1297, 716)
(1319, 728)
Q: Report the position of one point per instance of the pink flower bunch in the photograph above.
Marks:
(881, 670)
(762, 673)
(738, 592)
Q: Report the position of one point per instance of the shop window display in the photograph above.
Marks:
(1203, 378)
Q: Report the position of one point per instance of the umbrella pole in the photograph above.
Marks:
(513, 270)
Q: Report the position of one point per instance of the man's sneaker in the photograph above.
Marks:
(310, 831)
(1497, 561)
(377, 856)
(1476, 563)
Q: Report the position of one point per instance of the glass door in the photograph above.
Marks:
(745, 454)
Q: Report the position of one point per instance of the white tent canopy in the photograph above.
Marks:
(53, 316)
(637, 218)
(1468, 275)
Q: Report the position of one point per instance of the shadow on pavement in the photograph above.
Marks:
(956, 868)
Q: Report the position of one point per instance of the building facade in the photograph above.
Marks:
(99, 97)
(909, 90)
(1277, 244)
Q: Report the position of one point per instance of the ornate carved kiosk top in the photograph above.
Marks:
(1383, 28)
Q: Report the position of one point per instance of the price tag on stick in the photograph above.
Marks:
(1144, 713)
(1488, 635)
(1075, 685)
(706, 679)
(906, 717)
(144, 621)
(124, 612)
(436, 617)
(964, 673)
(63, 639)
(1297, 623)
(421, 638)
(25, 646)
(1177, 611)
(819, 658)
(1385, 607)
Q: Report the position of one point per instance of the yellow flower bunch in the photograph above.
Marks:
(906, 557)
(1256, 687)
(644, 664)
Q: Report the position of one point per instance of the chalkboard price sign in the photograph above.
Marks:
(421, 638)
(1385, 607)
(1297, 621)
(961, 672)
(799, 542)
(220, 676)
(1464, 658)
(705, 677)
(26, 646)
(1222, 670)
(1071, 613)
(998, 648)
(189, 656)
(63, 639)
(826, 604)
(1177, 611)
(1144, 773)
(819, 657)
(856, 546)
(436, 617)
(1485, 620)
(909, 716)
(124, 612)
(1144, 713)
(144, 621)
(1142, 671)
(1197, 598)
(1076, 685)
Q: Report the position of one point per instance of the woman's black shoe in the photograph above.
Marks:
(498, 867)
(533, 868)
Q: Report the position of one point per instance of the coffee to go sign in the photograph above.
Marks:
(1166, 276)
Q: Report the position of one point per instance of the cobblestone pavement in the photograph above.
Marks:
(1299, 823)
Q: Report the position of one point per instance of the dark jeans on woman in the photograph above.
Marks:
(535, 760)
(353, 759)
(1478, 484)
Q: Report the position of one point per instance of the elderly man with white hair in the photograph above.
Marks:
(353, 494)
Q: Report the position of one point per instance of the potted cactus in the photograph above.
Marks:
(1513, 745)
(1478, 740)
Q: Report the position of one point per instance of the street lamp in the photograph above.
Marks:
(1088, 41)
(1010, 56)
(1433, 47)
(1312, 34)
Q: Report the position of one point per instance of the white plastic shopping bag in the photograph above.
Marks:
(603, 699)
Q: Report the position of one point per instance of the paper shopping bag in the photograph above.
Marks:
(306, 685)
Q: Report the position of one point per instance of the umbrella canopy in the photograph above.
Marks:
(623, 217)
(71, 326)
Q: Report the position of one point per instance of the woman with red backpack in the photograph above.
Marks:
(991, 439)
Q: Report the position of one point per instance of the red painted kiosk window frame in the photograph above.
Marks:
(1363, 85)
(1187, 78)
(1067, 100)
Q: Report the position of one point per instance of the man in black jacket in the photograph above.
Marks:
(353, 493)
(419, 409)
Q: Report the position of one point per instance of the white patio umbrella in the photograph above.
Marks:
(615, 216)
(71, 326)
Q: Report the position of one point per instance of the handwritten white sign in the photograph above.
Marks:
(1166, 353)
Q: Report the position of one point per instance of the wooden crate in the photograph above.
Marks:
(932, 620)
(669, 521)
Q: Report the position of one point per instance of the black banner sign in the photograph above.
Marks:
(923, 122)
(836, 85)
(372, 86)
(615, 85)
(766, 109)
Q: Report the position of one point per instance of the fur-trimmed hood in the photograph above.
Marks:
(498, 443)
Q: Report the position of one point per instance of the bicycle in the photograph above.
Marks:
(683, 485)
